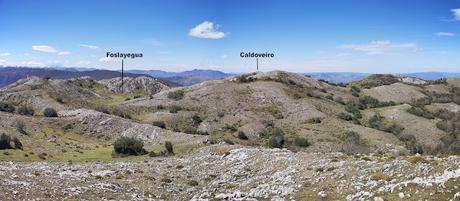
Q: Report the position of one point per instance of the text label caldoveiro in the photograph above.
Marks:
(124, 55)
(257, 55)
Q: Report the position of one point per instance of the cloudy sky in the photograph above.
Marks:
(305, 36)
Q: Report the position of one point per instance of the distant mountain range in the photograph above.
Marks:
(185, 78)
(10, 75)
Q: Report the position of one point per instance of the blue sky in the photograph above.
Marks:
(306, 36)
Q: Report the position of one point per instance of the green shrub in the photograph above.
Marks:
(17, 143)
(129, 146)
(174, 108)
(121, 113)
(7, 107)
(444, 114)
(21, 128)
(196, 120)
(160, 124)
(103, 109)
(345, 116)
(353, 144)
(169, 147)
(421, 112)
(242, 135)
(59, 99)
(176, 95)
(50, 112)
(192, 183)
(315, 120)
(301, 142)
(411, 144)
(377, 122)
(26, 110)
(276, 139)
(353, 109)
(5, 141)
(366, 102)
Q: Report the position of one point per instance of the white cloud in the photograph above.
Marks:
(32, 63)
(64, 53)
(207, 30)
(44, 48)
(84, 63)
(223, 56)
(89, 46)
(456, 13)
(5, 54)
(378, 46)
(106, 59)
(445, 34)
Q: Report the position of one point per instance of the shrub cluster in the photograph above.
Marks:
(6, 141)
(352, 143)
(378, 122)
(129, 146)
(276, 139)
(160, 124)
(7, 107)
(26, 110)
(421, 112)
(176, 95)
(411, 144)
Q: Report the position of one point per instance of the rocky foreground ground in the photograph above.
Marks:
(230, 172)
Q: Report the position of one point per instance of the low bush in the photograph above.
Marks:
(315, 120)
(242, 135)
(352, 143)
(160, 124)
(276, 139)
(121, 113)
(444, 114)
(103, 109)
(176, 95)
(301, 142)
(7, 107)
(421, 112)
(378, 122)
(17, 143)
(50, 112)
(366, 102)
(346, 116)
(5, 141)
(411, 144)
(129, 146)
(21, 128)
(169, 147)
(26, 110)
(353, 109)
(174, 108)
(196, 120)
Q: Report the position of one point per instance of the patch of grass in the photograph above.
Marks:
(380, 176)
(417, 159)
